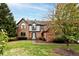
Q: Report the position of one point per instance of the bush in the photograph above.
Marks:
(22, 38)
(42, 38)
(3, 41)
(12, 39)
(59, 40)
(62, 39)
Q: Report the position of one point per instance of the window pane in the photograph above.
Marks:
(22, 33)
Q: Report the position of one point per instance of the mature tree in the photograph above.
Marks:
(7, 20)
(67, 20)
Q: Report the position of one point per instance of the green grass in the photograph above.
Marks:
(27, 48)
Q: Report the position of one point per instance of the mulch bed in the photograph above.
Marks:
(66, 52)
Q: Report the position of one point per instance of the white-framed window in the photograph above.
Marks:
(33, 26)
(23, 26)
(36, 29)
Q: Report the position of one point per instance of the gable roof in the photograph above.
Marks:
(30, 22)
(38, 22)
(21, 20)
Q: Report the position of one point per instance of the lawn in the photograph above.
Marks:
(28, 48)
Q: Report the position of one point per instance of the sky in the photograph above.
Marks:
(30, 11)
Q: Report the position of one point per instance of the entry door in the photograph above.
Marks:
(33, 35)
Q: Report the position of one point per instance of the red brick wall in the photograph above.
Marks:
(48, 35)
(38, 34)
(19, 30)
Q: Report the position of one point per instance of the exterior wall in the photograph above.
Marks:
(30, 35)
(48, 35)
(38, 34)
(27, 30)
(19, 29)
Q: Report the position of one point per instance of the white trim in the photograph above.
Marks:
(33, 35)
(23, 24)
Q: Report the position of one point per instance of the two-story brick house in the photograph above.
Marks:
(33, 29)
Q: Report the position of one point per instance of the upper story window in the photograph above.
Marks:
(33, 26)
(23, 26)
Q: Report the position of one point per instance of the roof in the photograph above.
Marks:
(37, 22)
(20, 21)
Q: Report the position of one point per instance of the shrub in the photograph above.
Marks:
(3, 41)
(60, 39)
(42, 38)
(22, 38)
(12, 39)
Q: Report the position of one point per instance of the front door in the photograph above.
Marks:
(33, 35)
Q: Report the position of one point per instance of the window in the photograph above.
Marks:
(23, 26)
(37, 28)
(34, 26)
(23, 34)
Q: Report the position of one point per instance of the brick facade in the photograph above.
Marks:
(23, 29)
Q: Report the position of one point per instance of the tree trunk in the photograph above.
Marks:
(67, 43)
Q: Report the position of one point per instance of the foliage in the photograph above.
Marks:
(3, 41)
(66, 21)
(59, 39)
(7, 20)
